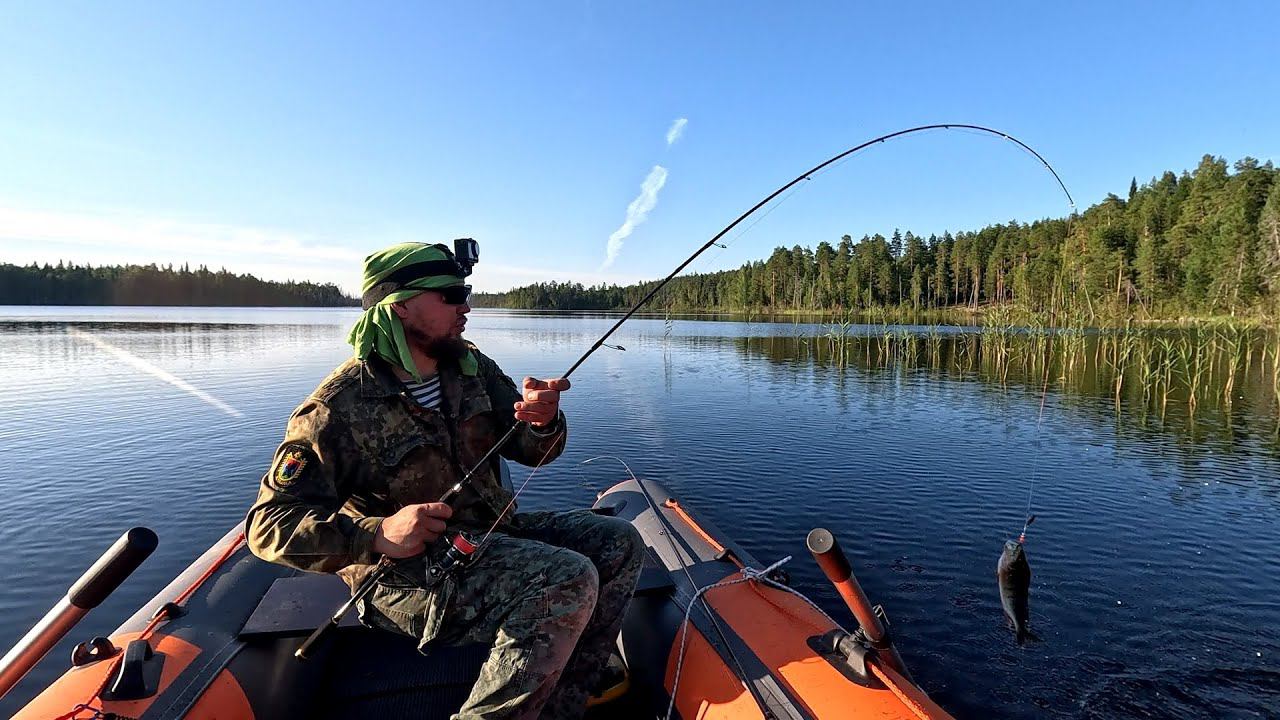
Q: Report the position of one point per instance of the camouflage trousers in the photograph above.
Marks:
(548, 596)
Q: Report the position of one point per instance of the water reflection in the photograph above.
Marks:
(1223, 392)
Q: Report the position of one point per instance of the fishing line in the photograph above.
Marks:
(1050, 334)
(710, 259)
(511, 503)
(1035, 462)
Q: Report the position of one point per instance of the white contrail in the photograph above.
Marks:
(637, 211)
(677, 130)
(150, 369)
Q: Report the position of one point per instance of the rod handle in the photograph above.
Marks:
(363, 589)
(305, 647)
(116, 564)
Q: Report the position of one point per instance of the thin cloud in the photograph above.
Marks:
(676, 131)
(637, 211)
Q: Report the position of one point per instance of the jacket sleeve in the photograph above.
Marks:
(297, 520)
(530, 445)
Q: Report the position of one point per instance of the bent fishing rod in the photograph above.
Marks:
(460, 548)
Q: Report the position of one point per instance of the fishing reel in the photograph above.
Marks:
(459, 554)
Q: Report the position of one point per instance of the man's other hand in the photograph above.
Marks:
(409, 531)
(541, 400)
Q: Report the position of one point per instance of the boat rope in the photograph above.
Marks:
(163, 614)
(747, 574)
(728, 649)
(741, 673)
(898, 692)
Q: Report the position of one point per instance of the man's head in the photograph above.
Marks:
(434, 319)
(413, 296)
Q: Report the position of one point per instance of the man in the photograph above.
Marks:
(368, 454)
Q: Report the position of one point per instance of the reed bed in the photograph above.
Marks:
(1141, 370)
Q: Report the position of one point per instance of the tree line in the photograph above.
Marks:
(68, 284)
(1206, 241)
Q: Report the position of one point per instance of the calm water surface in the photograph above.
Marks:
(1156, 581)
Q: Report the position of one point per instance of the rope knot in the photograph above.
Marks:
(751, 573)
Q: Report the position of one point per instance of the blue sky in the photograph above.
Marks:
(291, 139)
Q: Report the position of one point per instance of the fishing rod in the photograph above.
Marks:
(461, 547)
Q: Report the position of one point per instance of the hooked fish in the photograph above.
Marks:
(1014, 575)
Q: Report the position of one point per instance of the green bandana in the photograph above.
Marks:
(379, 329)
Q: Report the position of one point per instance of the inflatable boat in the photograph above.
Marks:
(711, 633)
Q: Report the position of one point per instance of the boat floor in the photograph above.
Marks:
(378, 676)
(358, 672)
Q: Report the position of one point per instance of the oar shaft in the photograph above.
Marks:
(37, 642)
(830, 557)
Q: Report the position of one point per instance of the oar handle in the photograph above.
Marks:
(830, 557)
(99, 581)
(116, 564)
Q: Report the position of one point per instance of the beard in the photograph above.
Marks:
(441, 348)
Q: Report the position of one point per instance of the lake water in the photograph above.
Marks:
(1156, 585)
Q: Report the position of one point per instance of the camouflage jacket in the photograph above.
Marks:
(359, 449)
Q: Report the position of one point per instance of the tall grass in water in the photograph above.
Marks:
(1275, 367)
(1165, 370)
(934, 344)
(1235, 339)
(1195, 362)
(1226, 374)
(998, 334)
(1121, 351)
(837, 336)
(1273, 341)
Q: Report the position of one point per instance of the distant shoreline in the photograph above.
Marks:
(355, 306)
(154, 286)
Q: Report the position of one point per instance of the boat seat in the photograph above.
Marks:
(366, 674)
(294, 606)
(654, 577)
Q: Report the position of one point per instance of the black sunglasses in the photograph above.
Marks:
(454, 294)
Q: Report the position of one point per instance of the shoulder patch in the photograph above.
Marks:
(293, 463)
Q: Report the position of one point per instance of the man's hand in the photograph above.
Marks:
(541, 400)
(409, 531)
